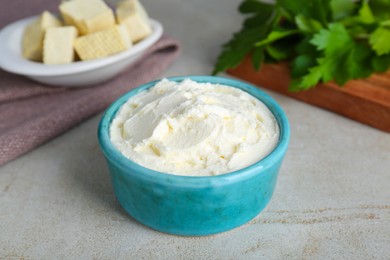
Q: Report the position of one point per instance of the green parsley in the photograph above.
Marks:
(322, 40)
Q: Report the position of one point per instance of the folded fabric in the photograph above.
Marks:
(32, 114)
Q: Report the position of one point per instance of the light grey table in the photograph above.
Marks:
(332, 199)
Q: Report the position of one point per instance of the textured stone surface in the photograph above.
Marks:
(332, 199)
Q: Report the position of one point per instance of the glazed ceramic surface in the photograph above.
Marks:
(194, 206)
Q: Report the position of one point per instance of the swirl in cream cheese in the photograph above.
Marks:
(194, 129)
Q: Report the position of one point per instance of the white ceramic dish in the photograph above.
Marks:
(77, 74)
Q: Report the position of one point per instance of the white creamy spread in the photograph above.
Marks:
(194, 129)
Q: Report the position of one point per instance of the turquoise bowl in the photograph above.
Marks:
(194, 206)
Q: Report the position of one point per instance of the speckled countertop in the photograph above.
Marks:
(332, 199)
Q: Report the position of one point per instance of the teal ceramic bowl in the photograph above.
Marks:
(194, 206)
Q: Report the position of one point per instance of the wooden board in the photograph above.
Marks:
(366, 100)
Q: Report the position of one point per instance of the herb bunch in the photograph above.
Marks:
(322, 40)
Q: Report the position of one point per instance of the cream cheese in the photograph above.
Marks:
(194, 129)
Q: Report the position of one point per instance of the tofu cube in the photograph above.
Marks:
(133, 16)
(58, 45)
(103, 43)
(32, 42)
(87, 15)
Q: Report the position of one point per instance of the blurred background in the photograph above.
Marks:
(201, 26)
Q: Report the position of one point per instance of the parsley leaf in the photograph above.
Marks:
(380, 9)
(307, 25)
(381, 63)
(255, 29)
(380, 40)
(275, 35)
(322, 40)
(236, 49)
(343, 58)
(365, 14)
(333, 39)
(341, 8)
(315, 9)
(257, 57)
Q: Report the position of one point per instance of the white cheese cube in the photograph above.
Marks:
(32, 41)
(131, 14)
(103, 43)
(87, 15)
(58, 45)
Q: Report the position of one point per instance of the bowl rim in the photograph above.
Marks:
(113, 155)
(12, 60)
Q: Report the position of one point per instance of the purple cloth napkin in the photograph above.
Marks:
(32, 114)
